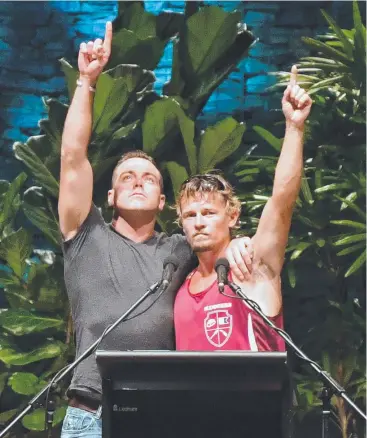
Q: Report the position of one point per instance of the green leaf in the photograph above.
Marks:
(39, 171)
(11, 356)
(25, 383)
(4, 187)
(162, 120)
(71, 75)
(291, 275)
(5, 341)
(169, 24)
(100, 167)
(10, 205)
(325, 83)
(332, 187)
(218, 142)
(210, 27)
(309, 222)
(197, 90)
(7, 415)
(138, 20)
(15, 249)
(36, 208)
(359, 36)
(361, 260)
(110, 99)
(352, 224)
(127, 48)
(177, 173)
(36, 420)
(175, 86)
(3, 378)
(352, 205)
(351, 249)
(351, 198)
(116, 89)
(324, 64)
(320, 243)
(305, 187)
(7, 278)
(300, 248)
(22, 322)
(275, 142)
(18, 296)
(350, 239)
(326, 50)
(53, 128)
(347, 45)
(125, 131)
(253, 171)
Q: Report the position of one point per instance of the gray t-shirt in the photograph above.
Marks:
(105, 273)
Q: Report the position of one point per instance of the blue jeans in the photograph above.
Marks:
(79, 423)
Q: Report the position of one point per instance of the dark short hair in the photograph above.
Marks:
(137, 154)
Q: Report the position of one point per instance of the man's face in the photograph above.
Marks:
(206, 222)
(136, 187)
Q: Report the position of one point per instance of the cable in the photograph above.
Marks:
(274, 327)
(102, 337)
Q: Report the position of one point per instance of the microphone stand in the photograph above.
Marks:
(53, 384)
(331, 386)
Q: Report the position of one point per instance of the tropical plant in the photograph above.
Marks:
(326, 254)
(128, 114)
(32, 340)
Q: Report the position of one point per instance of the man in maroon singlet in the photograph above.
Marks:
(208, 211)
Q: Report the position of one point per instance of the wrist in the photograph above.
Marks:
(294, 127)
(85, 81)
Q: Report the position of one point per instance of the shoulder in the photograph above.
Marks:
(94, 225)
(177, 242)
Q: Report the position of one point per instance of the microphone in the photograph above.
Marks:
(222, 268)
(169, 267)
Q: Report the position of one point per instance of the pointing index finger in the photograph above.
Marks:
(293, 77)
(108, 37)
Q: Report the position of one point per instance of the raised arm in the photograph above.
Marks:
(76, 177)
(271, 236)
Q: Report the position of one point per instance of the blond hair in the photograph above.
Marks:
(208, 183)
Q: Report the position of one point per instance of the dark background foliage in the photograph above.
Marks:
(194, 107)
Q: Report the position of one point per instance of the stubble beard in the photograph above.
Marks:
(202, 247)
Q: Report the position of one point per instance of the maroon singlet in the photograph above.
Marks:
(211, 321)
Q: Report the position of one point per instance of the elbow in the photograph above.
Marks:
(288, 189)
(285, 198)
(70, 156)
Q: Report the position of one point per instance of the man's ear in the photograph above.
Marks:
(233, 219)
(162, 202)
(110, 197)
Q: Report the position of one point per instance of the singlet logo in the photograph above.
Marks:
(218, 327)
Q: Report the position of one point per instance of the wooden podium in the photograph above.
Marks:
(169, 394)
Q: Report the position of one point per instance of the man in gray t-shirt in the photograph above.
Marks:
(109, 266)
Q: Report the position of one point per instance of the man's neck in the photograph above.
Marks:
(207, 260)
(134, 228)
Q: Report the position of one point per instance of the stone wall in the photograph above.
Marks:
(33, 37)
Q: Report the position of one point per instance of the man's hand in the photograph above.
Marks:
(239, 255)
(93, 56)
(296, 103)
